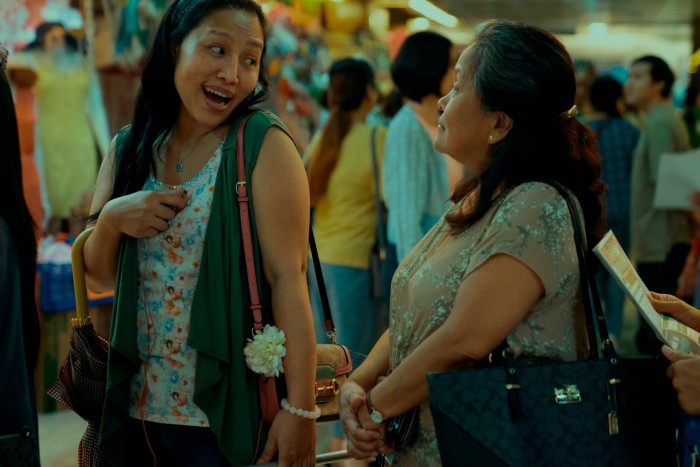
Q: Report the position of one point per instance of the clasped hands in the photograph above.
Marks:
(365, 438)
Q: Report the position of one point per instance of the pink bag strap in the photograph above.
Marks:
(242, 192)
(244, 212)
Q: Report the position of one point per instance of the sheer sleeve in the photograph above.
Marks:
(532, 225)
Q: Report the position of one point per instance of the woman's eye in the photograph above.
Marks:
(251, 61)
(217, 50)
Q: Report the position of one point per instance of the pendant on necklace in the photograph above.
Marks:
(178, 167)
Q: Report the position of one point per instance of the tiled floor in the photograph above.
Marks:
(59, 435)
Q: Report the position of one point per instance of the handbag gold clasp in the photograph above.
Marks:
(332, 389)
(569, 394)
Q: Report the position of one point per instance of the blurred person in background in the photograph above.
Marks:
(342, 186)
(23, 79)
(417, 179)
(660, 237)
(617, 139)
(19, 321)
(72, 130)
(691, 112)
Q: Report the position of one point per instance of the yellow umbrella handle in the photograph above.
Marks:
(78, 267)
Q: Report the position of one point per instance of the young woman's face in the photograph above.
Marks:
(217, 66)
(464, 126)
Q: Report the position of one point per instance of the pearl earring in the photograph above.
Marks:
(491, 138)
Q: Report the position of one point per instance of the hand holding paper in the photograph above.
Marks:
(672, 327)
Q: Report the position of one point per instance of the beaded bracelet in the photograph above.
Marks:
(302, 413)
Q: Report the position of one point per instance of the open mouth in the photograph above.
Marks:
(217, 97)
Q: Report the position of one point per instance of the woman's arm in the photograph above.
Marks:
(482, 317)
(281, 201)
(140, 214)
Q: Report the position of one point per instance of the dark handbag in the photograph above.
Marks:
(333, 362)
(401, 431)
(18, 449)
(82, 378)
(598, 411)
(379, 270)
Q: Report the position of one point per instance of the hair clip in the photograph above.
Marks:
(569, 114)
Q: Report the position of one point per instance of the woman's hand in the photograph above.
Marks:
(363, 443)
(684, 371)
(144, 213)
(676, 308)
(294, 437)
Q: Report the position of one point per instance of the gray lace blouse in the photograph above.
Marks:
(529, 222)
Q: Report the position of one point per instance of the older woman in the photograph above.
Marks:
(509, 119)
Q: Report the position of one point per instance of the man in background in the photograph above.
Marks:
(660, 238)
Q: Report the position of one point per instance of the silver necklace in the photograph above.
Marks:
(178, 166)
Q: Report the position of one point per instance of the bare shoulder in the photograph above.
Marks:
(277, 143)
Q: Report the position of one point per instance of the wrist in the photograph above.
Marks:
(308, 414)
(376, 415)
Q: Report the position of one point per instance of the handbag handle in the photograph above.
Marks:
(595, 319)
(244, 213)
(379, 229)
(592, 307)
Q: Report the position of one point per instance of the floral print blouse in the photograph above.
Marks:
(531, 223)
(168, 270)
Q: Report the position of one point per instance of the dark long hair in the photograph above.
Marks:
(158, 102)
(44, 28)
(605, 93)
(349, 79)
(527, 73)
(14, 210)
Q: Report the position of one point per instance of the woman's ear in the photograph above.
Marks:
(502, 125)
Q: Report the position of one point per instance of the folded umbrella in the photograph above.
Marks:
(83, 375)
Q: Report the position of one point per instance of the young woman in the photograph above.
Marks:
(167, 236)
(509, 119)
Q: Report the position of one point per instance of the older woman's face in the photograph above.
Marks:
(464, 126)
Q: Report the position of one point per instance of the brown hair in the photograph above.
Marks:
(349, 79)
(527, 73)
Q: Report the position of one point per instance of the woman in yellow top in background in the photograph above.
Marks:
(339, 161)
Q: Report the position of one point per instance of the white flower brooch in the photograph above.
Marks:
(264, 352)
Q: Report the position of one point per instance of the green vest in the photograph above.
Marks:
(225, 389)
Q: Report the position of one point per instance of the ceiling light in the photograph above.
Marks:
(597, 29)
(430, 11)
(418, 24)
